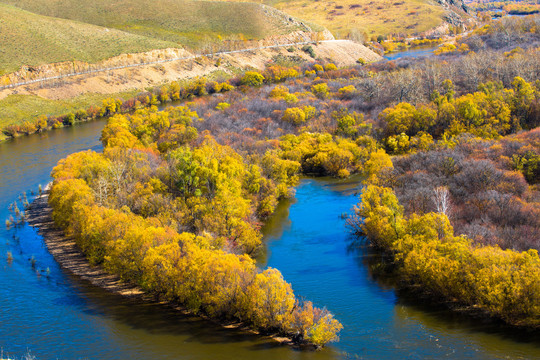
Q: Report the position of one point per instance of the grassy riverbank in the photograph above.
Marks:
(22, 114)
(16, 109)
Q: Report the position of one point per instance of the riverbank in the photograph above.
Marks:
(69, 256)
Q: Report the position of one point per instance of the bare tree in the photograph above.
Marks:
(101, 189)
(441, 199)
(118, 171)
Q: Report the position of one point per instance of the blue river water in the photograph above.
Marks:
(55, 315)
(412, 53)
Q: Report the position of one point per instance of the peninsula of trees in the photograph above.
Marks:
(448, 147)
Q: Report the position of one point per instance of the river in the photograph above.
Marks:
(414, 53)
(55, 315)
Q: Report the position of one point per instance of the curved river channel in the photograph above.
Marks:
(55, 315)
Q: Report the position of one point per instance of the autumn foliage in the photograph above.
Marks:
(505, 283)
(176, 200)
(178, 214)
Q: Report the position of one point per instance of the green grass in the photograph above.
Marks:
(16, 109)
(30, 39)
(185, 22)
(37, 32)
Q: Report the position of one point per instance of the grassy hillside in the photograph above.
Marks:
(186, 22)
(374, 17)
(30, 39)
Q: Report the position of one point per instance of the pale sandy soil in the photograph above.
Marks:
(340, 52)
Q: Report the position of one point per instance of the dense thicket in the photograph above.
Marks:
(179, 214)
(459, 210)
(175, 202)
(505, 34)
(505, 283)
(366, 89)
(490, 187)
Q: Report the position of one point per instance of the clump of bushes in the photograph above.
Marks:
(308, 49)
(252, 78)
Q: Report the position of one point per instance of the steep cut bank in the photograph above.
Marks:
(153, 71)
(57, 70)
(37, 33)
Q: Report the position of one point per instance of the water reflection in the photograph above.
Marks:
(412, 53)
(324, 264)
(57, 315)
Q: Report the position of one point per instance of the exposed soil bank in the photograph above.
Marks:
(340, 52)
(69, 256)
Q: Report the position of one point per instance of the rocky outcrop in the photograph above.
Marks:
(456, 12)
(452, 18)
(459, 4)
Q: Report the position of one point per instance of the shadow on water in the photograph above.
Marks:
(427, 309)
(159, 320)
(132, 320)
(57, 315)
(153, 318)
(281, 222)
(309, 244)
(274, 228)
(62, 316)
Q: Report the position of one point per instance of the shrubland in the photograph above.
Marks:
(376, 86)
(449, 153)
(457, 212)
(506, 35)
(425, 251)
(505, 7)
(362, 19)
(395, 44)
(490, 187)
(178, 214)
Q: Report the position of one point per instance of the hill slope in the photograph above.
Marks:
(30, 39)
(353, 18)
(345, 17)
(186, 22)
